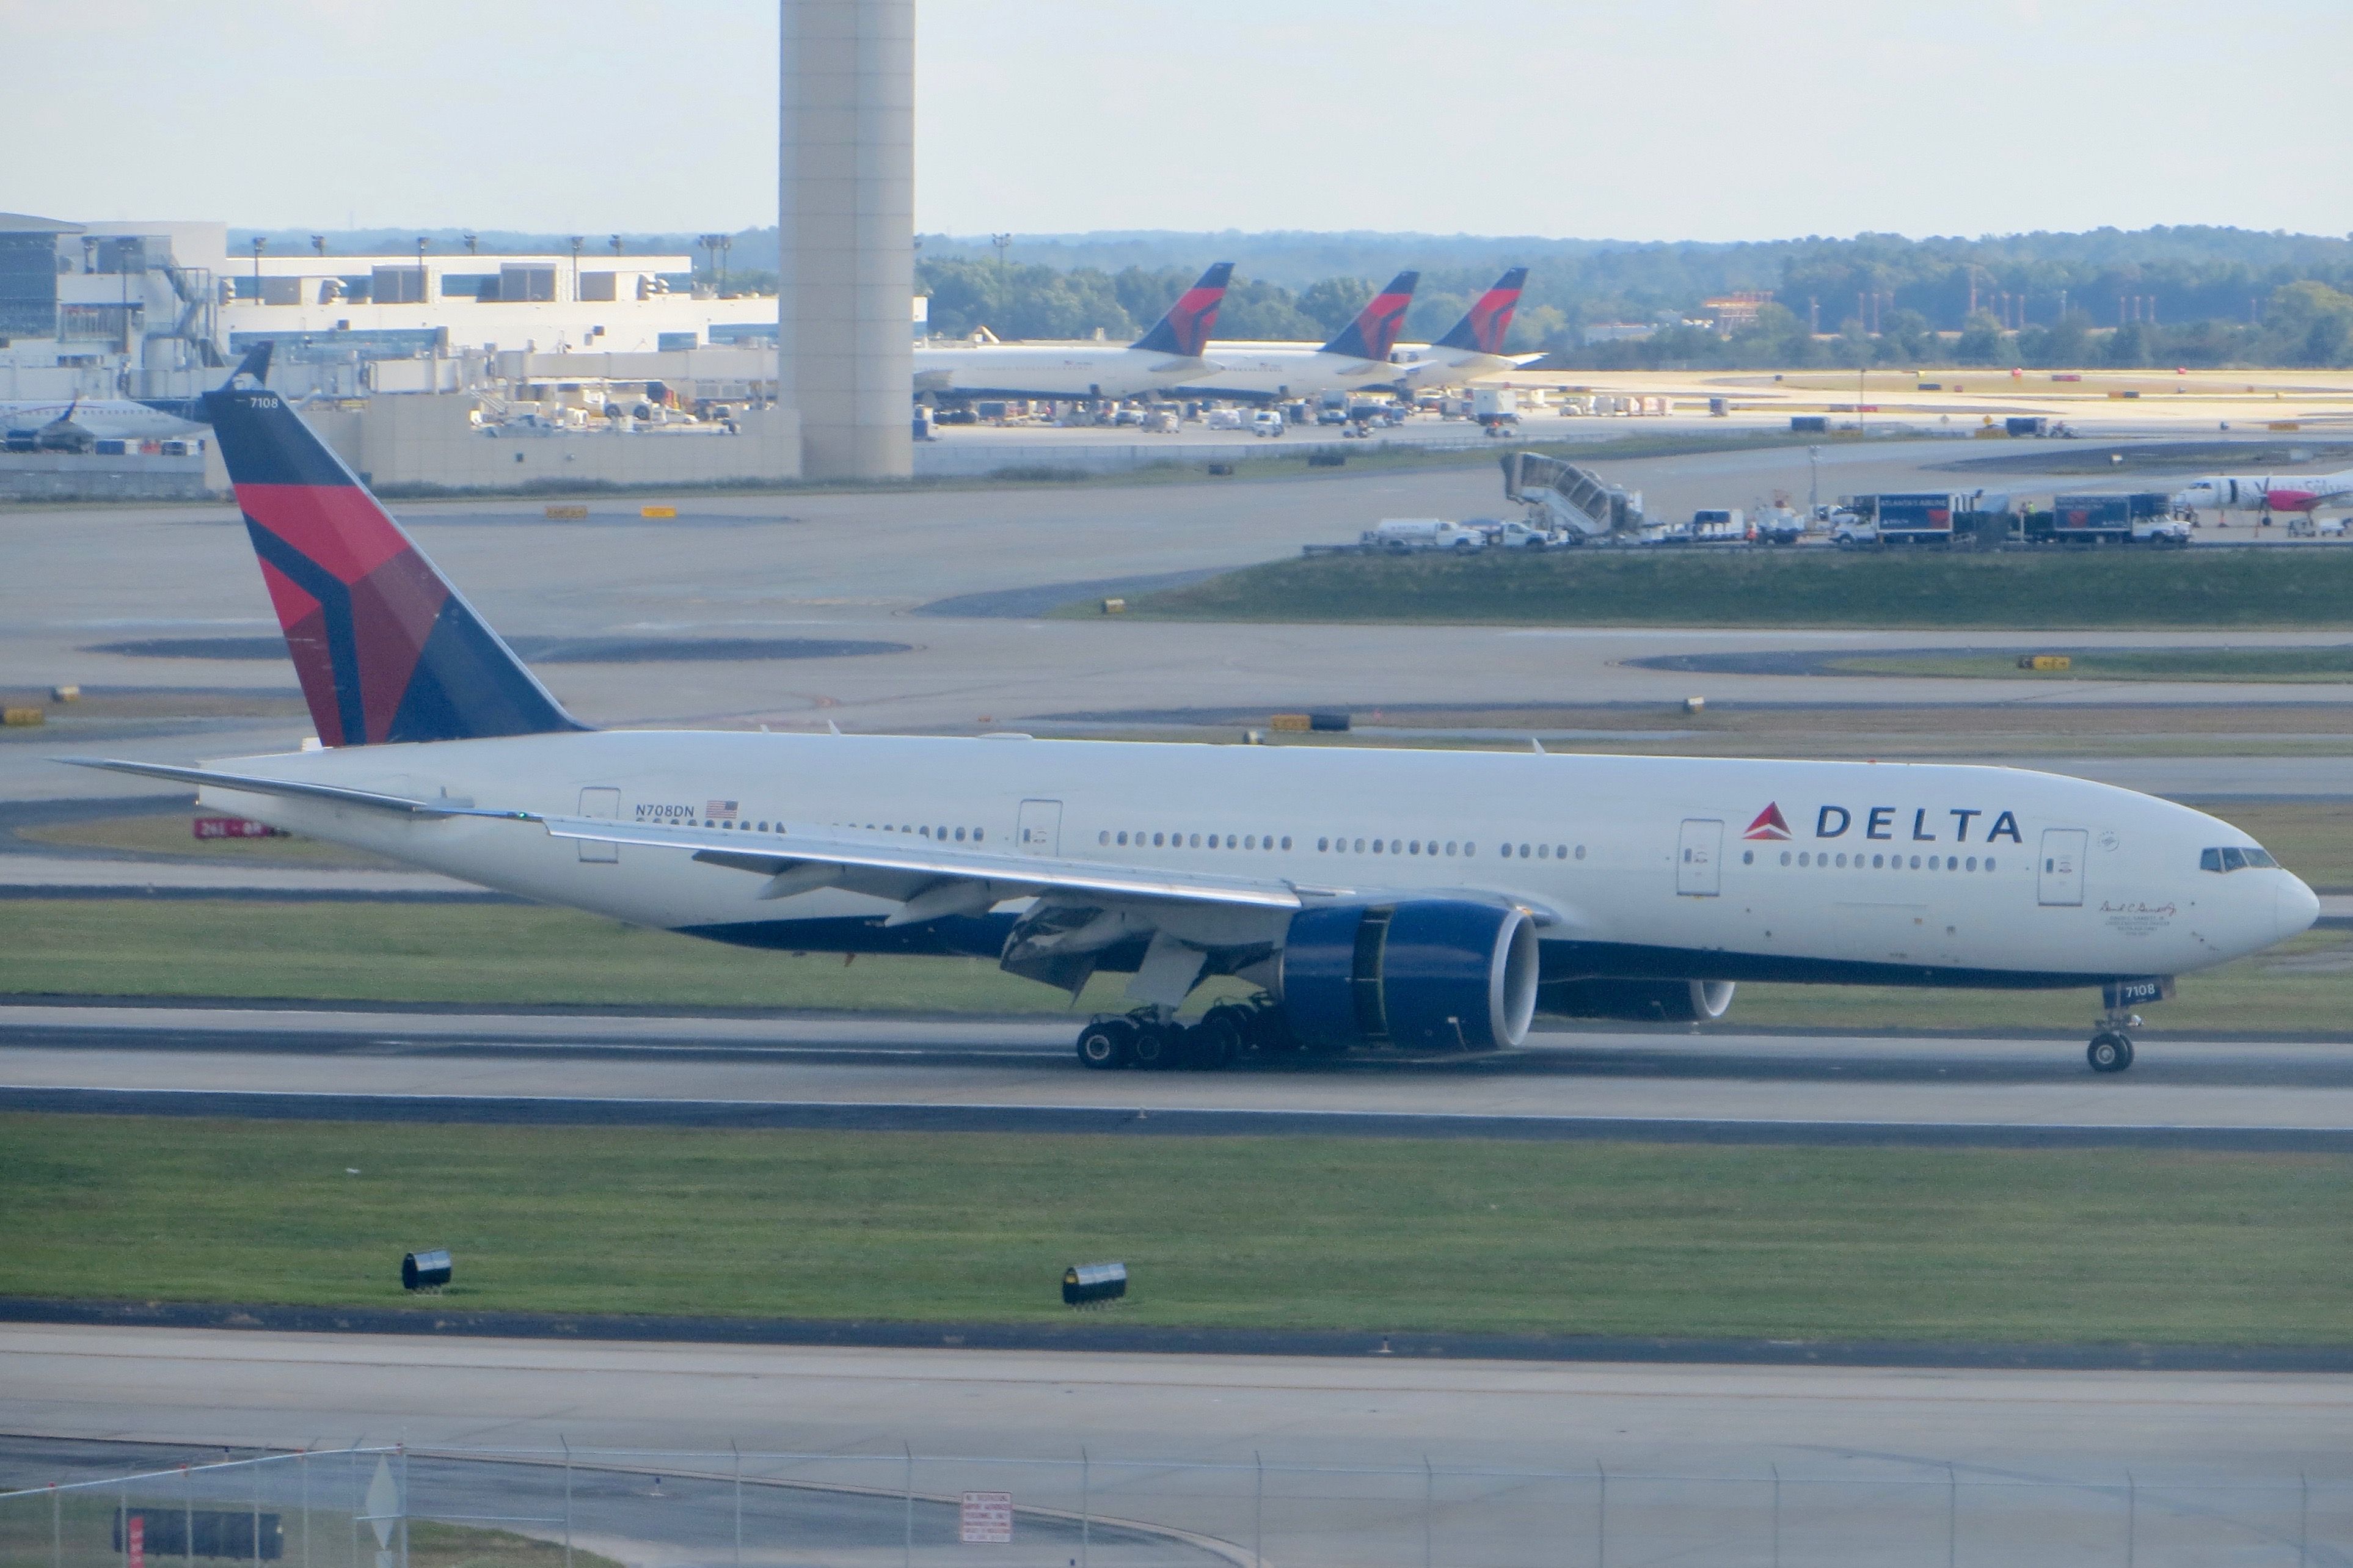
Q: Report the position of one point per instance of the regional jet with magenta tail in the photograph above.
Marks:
(1434, 901)
(1152, 365)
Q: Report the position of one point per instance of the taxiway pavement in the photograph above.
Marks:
(2041, 1457)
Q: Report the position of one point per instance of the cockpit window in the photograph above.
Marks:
(2235, 858)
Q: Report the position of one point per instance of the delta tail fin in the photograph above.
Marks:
(1484, 325)
(1375, 330)
(385, 648)
(1184, 330)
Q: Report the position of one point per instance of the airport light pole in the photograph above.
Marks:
(473, 242)
(260, 245)
(423, 293)
(575, 265)
(1814, 481)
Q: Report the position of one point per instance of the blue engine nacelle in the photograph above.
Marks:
(1428, 975)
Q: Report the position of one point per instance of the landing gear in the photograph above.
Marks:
(2109, 1052)
(2111, 1049)
(1107, 1044)
(1144, 1040)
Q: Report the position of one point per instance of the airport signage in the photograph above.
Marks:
(985, 1519)
(232, 828)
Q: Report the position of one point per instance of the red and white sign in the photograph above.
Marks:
(134, 1541)
(232, 828)
(985, 1519)
(1769, 823)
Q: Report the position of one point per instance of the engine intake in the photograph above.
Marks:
(1433, 974)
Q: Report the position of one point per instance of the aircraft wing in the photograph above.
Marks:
(885, 864)
(925, 875)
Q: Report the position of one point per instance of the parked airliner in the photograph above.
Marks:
(1473, 347)
(1151, 366)
(105, 419)
(1431, 900)
(1357, 357)
(2266, 493)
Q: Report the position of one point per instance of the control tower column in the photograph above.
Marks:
(846, 234)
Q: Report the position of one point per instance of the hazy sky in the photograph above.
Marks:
(1658, 121)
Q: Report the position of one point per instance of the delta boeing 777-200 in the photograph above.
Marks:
(1428, 899)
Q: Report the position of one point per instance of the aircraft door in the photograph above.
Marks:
(1041, 830)
(2060, 878)
(1698, 871)
(605, 805)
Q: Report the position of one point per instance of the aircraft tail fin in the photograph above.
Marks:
(1375, 330)
(1484, 325)
(385, 649)
(1184, 330)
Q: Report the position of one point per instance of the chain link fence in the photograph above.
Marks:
(516, 1508)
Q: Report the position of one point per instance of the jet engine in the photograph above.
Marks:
(1428, 974)
(1643, 1001)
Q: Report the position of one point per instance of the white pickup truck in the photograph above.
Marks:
(1402, 535)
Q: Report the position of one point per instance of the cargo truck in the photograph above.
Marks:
(2143, 517)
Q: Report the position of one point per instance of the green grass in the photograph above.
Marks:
(171, 834)
(2289, 664)
(1278, 1233)
(81, 1534)
(463, 954)
(1813, 588)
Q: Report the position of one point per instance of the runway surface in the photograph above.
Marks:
(412, 1064)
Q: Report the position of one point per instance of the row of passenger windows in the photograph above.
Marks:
(1890, 862)
(2234, 859)
(943, 833)
(1329, 846)
(1198, 841)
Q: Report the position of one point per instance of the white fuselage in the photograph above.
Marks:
(1421, 364)
(1932, 873)
(109, 418)
(1265, 372)
(1048, 371)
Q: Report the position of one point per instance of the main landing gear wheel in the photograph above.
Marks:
(2109, 1052)
(1107, 1046)
(1154, 1047)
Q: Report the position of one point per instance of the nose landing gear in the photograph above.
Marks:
(2111, 1049)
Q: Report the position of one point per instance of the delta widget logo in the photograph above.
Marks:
(1769, 824)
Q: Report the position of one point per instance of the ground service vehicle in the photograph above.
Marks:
(1405, 533)
(1900, 517)
(1266, 421)
(1495, 406)
(2145, 517)
(1432, 900)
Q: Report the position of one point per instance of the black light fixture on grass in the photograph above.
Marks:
(425, 1270)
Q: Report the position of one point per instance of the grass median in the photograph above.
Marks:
(470, 954)
(2093, 1247)
(2066, 590)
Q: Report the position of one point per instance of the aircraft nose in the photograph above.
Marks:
(2299, 906)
